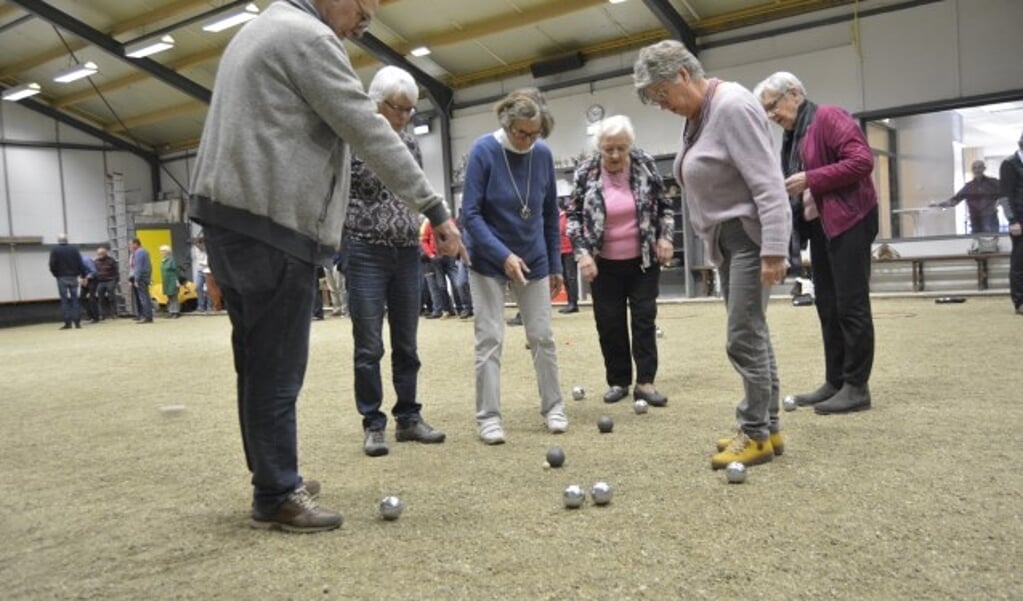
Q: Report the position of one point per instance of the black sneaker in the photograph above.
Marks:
(515, 321)
(375, 445)
(419, 431)
(616, 393)
(299, 513)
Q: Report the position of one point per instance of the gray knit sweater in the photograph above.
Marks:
(274, 158)
(732, 172)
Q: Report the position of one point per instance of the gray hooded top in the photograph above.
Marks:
(273, 162)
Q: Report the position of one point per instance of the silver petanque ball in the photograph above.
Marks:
(640, 407)
(574, 496)
(605, 424)
(578, 393)
(601, 493)
(555, 457)
(735, 472)
(660, 332)
(391, 507)
(789, 403)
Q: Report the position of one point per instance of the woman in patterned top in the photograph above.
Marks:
(621, 224)
(381, 242)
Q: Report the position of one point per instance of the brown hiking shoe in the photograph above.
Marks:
(298, 513)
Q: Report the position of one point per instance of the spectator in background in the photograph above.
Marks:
(436, 276)
(622, 225)
(141, 277)
(381, 245)
(981, 196)
(1011, 174)
(828, 163)
(510, 206)
(272, 166)
(736, 199)
(108, 274)
(334, 279)
(89, 287)
(169, 277)
(66, 265)
(202, 269)
(568, 266)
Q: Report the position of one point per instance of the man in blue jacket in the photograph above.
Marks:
(66, 265)
(141, 277)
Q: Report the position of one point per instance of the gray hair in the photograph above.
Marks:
(779, 83)
(662, 62)
(390, 82)
(61, 238)
(525, 104)
(613, 126)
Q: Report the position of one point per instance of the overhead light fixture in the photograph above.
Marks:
(250, 12)
(421, 130)
(23, 91)
(421, 124)
(148, 47)
(420, 51)
(76, 72)
(617, 1)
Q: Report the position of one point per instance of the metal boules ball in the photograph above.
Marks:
(574, 496)
(555, 457)
(789, 403)
(391, 507)
(605, 424)
(640, 407)
(660, 332)
(601, 493)
(735, 473)
(578, 393)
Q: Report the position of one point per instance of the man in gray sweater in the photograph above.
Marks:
(271, 189)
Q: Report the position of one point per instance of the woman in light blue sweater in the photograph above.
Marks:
(510, 208)
(738, 205)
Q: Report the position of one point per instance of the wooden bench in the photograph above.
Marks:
(917, 266)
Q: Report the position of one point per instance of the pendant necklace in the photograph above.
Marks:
(524, 211)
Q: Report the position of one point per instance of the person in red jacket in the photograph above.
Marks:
(827, 164)
(569, 267)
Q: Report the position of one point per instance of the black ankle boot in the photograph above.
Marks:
(851, 398)
(825, 392)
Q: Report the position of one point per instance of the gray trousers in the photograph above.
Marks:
(749, 341)
(534, 301)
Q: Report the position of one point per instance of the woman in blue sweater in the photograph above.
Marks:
(509, 204)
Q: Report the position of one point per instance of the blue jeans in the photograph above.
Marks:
(384, 279)
(203, 303)
(142, 299)
(67, 288)
(269, 297)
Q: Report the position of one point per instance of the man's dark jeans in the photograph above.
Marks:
(67, 288)
(384, 279)
(269, 297)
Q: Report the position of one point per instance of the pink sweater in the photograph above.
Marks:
(621, 232)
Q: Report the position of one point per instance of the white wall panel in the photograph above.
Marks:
(85, 193)
(32, 275)
(138, 186)
(71, 135)
(36, 204)
(911, 56)
(175, 175)
(22, 124)
(5, 224)
(990, 45)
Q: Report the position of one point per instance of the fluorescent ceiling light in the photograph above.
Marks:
(76, 72)
(148, 47)
(617, 1)
(420, 51)
(22, 91)
(421, 130)
(250, 12)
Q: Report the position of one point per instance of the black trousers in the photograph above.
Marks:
(1016, 271)
(622, 287)
(570, 272)
(841, 279)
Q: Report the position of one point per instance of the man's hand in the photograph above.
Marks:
(772, 270)
(449, 241)
(1015, 229)
(516, 269)
(557, 283)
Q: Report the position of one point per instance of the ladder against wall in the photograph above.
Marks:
(117, 232)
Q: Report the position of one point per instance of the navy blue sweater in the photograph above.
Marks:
(494, 226)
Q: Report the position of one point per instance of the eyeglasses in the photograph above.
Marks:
(401, 110)
(614, 150)
(364, 17)
(770, 106)
(524, 135)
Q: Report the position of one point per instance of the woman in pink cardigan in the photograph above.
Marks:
(827, 164)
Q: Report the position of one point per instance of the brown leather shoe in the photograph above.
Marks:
(299, 513)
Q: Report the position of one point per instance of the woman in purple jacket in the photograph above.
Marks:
(827, 164)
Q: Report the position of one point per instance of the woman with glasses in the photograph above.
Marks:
(382, 269)
(737, 204)
(828, 166)
(621, 224)
(510, 210)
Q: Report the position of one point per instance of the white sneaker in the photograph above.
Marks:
(491, 432)
(557, 423)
